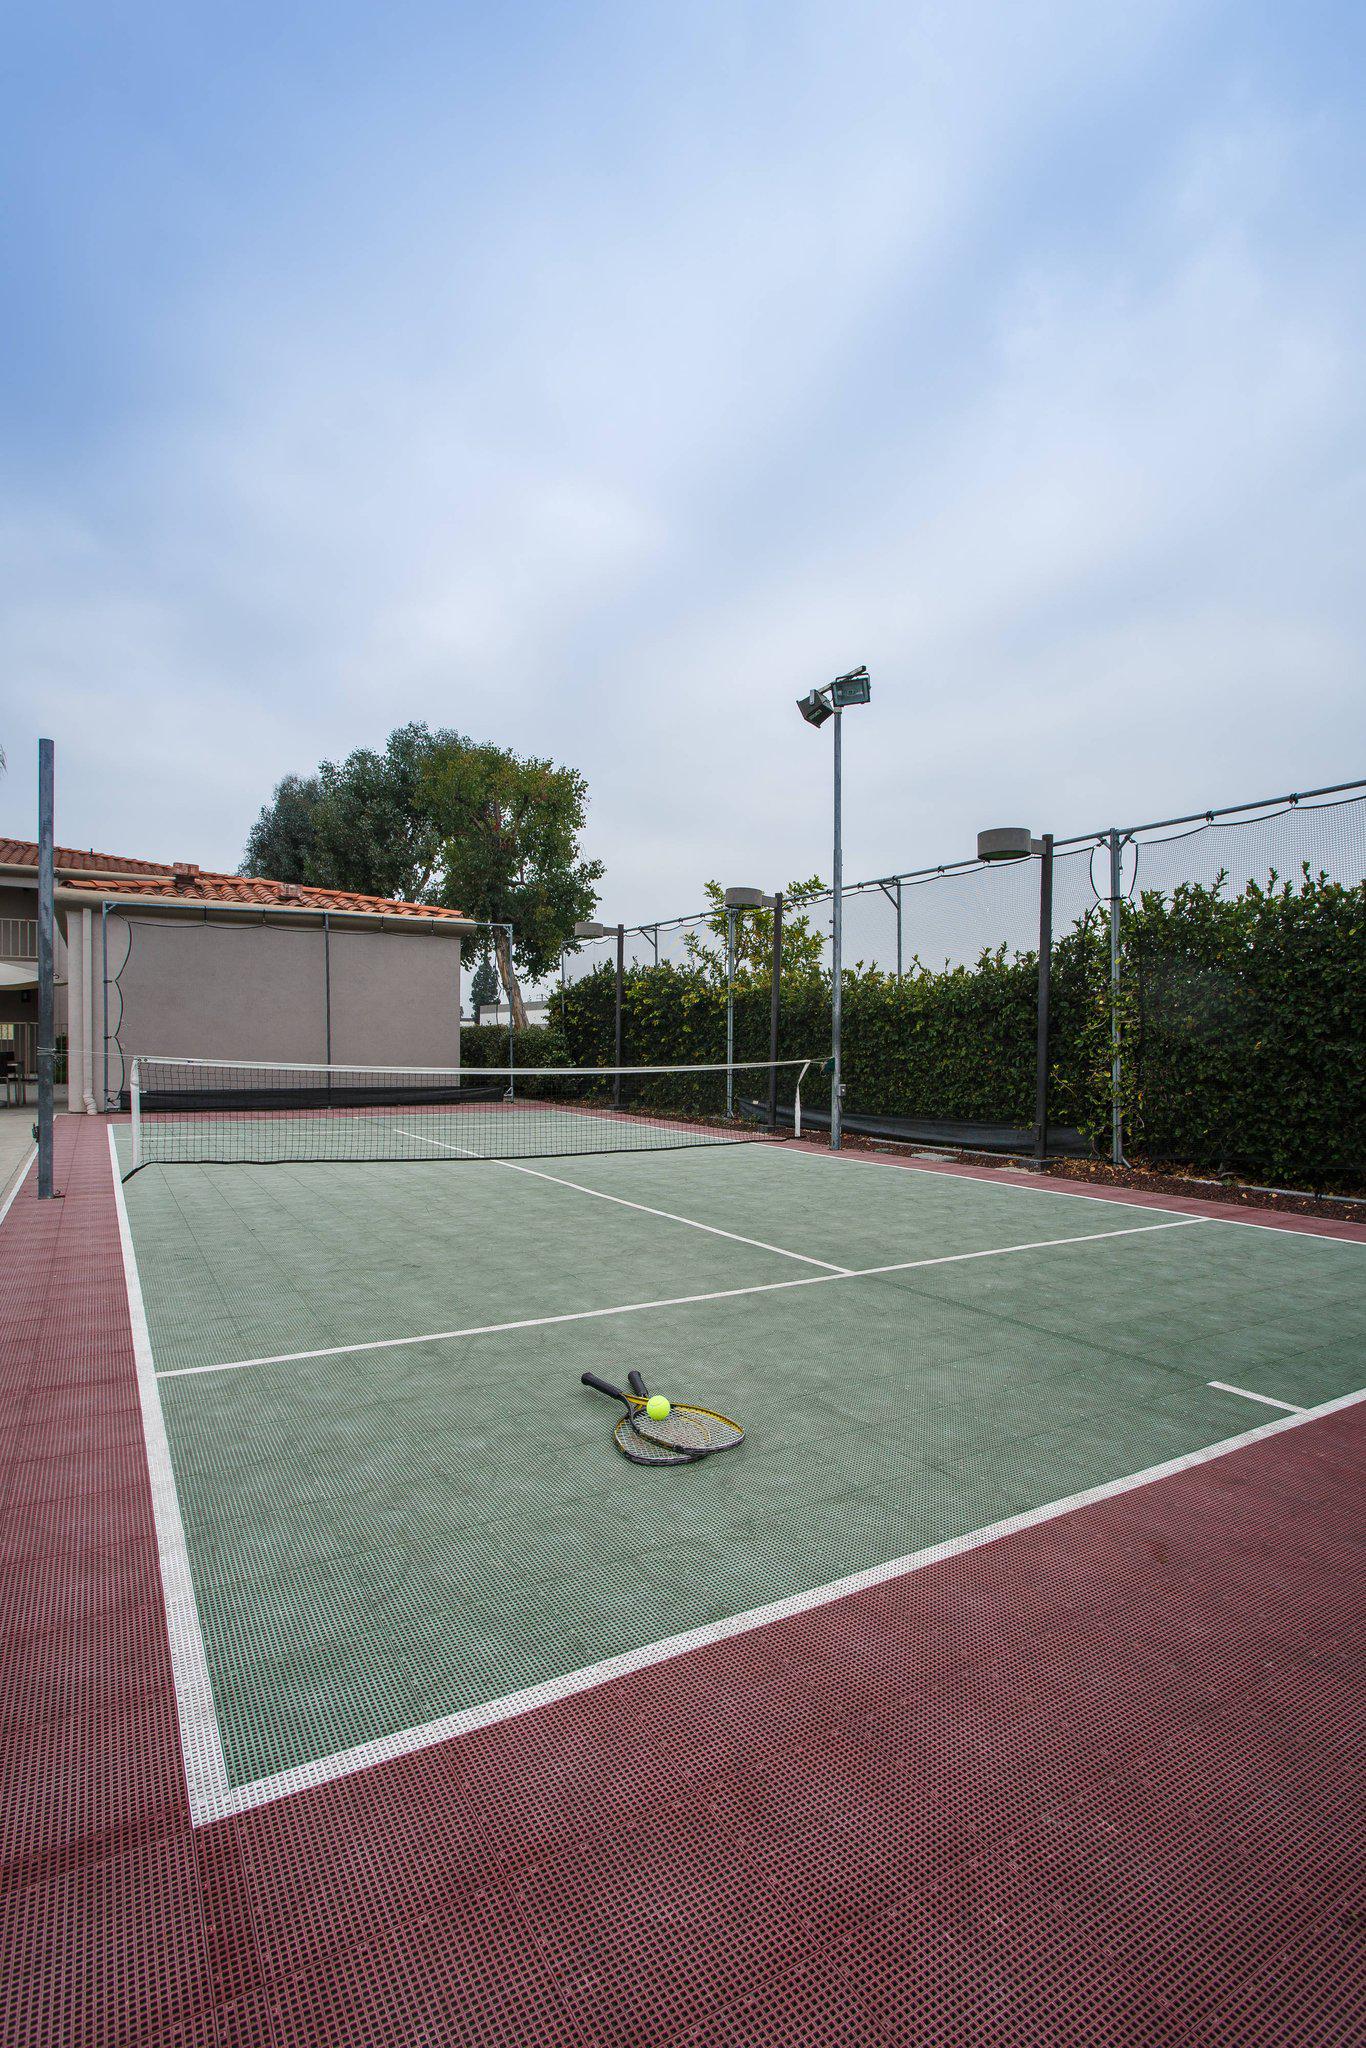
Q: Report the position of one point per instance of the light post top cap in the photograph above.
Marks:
(747, 899)
(589, 928)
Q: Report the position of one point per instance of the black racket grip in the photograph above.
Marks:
(636, 1382)
(590, 1379)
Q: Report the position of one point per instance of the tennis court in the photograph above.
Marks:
(1001, 1686)
(388, 1512)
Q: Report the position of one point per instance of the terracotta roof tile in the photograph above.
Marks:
(208, 888)
(23, 853)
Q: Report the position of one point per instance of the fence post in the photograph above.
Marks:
(1116, 1107)
(621, 979)
(775, 1006)
(1045, 974)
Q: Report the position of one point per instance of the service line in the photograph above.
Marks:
(631, 1308)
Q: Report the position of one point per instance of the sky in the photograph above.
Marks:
(596, 379)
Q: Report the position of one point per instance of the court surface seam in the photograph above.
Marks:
(628, 1308)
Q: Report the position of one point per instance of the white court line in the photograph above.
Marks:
(984, 1177)
(1267, 1400)
(323, 1770)
(558, 1180)
(206, 1771)
(21, 1175)
(631, 1308)
(212, 1797)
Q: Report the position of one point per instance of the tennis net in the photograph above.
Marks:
(205, 1112)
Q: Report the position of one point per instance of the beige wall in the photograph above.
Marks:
(395, 998)
(243, 990)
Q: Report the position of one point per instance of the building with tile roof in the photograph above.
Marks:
(168, 957)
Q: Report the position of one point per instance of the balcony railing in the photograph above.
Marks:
(18, 938)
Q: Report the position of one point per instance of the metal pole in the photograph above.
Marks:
(621, 980)
(898, 928)
(1116, 1110)
(775, 1010)
(327, 987)
(104, 999)
(1045, 974)
(45, 970)
(512, 1043)
(837, 951)
(730, 1013)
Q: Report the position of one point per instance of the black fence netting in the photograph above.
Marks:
(1208, 981)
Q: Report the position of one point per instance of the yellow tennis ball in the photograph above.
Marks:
(657, 1408)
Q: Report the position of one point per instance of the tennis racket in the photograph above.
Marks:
(641, 1450)
(724, 1433)
(686, 1430)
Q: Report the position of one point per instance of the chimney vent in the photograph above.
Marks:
(290, 892)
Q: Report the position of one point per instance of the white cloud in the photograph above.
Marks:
(848, 337)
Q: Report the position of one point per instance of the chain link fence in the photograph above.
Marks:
(1209, 989)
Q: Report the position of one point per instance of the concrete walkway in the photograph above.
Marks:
(16, 1144)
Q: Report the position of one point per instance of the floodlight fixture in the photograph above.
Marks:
(747, 899)
(589, 928)
(853, 687)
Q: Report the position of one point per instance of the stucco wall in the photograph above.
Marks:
(244, 991)
(395, 998)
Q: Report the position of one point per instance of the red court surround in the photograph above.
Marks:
(1099, 1782)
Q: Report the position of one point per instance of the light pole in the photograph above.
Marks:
(46, 968)
(1015, 842)
(816, 706)
(737, 902)
(588, 928)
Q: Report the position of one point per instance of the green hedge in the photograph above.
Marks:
(1241, 1018)
(486, 1045)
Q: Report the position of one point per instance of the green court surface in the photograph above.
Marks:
(380, 1539)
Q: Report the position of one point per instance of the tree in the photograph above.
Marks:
(281, 842)
(484, 987)
(508, 832)
(361, 824)
(803, 945)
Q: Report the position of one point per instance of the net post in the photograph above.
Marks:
(135, 1101)
(775, 1005)
(797, 1101)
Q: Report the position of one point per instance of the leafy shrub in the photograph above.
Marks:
(1241, 1022)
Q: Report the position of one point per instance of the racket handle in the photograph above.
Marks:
(590, 1379)
(636, 1382)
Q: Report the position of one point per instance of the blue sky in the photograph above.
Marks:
(596, 379)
